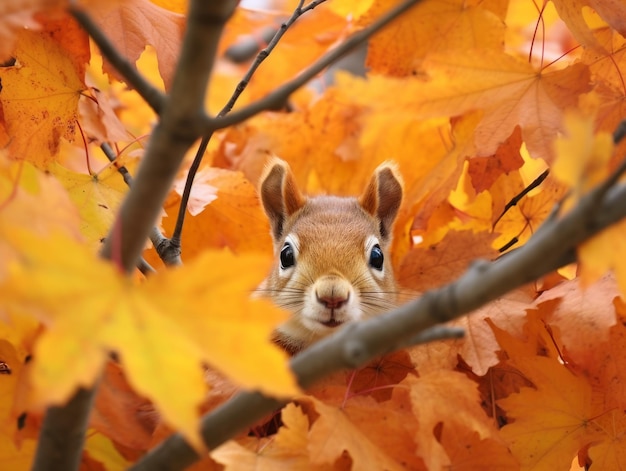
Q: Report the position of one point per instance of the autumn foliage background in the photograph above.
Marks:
(473, 99)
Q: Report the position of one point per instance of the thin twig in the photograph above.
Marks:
(278, 97)
(112, 156)
(516, 199)
(174, 243)
(265, 52)
(143, 266)
(133, 77)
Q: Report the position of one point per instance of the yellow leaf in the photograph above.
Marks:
(287, 451)
(603, 252)
(97, 198)
(12, 456)
(552, 421)
(101, 449)
(33, 200)
(433, 26)
(40, 92)
(582, 156)
(163, 329)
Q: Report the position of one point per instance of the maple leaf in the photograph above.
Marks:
(607, 101)
(484, 171)
(30, 199)
(19, 14)
(121, 413)
(133, 24)
(97, 198)
(83, 295)
(520, 222)
(571, 12)
(582, 163)
(509, 91)
(468, 452)
(479, 347)
(607, 376)
(378, 377)
(450, 398)
(551, 421)
(40, 91)
(302, 43)
(333, 433)
(425, 268)
(583, 316)
(395, 428)
(11, 455)
(287, 451)
(98, 118)
(582, 155)
(232, 217)
(431, 27)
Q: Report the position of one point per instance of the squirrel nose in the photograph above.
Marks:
(332, 302)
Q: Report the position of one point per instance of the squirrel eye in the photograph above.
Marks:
(287, 256)
(376, 257)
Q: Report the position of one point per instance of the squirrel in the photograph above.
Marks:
(331, 253)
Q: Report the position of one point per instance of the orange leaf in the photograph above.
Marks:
(333, 433)
(90, 309)
(571, 12)
(468, 452)
(378, 378)
(232, 216)
(18, 14)
(133, 24)
(287, 451)
(431, 27)
(552, 421)
(448, 398)
(426, 268)
(583, 316)
(40, 91)
(484, 171)
(582, 155)
(12, 456)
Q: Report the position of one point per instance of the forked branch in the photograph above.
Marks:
(60, 445)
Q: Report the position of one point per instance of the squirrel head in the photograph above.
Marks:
(331, 253)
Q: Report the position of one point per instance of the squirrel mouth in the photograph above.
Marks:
(332, 323)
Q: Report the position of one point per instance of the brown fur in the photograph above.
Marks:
(332, 281)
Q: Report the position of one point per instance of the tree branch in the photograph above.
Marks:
(551, 247)
(170, 249)
(279, 97)
(65, 426)
(148, 92)
(174, 134)
(62, 434)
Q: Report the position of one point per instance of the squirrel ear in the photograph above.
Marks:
(383, 195)
(279, 194)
